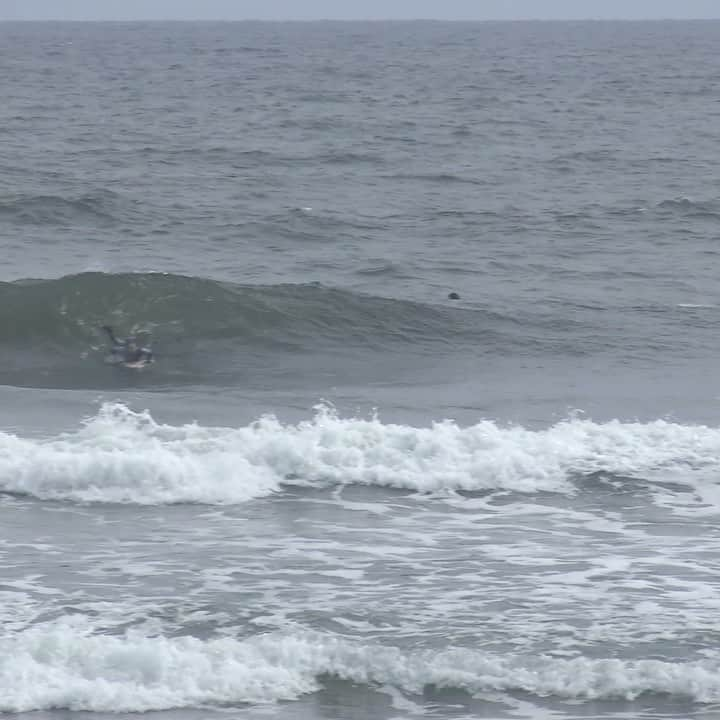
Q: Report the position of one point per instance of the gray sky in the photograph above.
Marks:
(353, 9)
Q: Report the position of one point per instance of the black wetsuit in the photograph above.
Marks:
(121, 352)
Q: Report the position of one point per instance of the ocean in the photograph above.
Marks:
(433, 429)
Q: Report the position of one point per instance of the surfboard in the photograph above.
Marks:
(137, 364)
(119, 362)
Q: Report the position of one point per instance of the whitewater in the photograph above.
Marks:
(208, 531)
(122, 456)
(65, 668)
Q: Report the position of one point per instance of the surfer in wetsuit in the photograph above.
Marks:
(127, 350)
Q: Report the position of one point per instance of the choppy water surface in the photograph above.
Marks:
(338, 492)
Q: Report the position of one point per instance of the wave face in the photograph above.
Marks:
(121, 456)
(64, 667)
(70, 310)
(209, 332)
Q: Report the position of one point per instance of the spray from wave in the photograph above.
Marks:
(122, 456)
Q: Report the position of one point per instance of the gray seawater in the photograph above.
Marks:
(339, 493)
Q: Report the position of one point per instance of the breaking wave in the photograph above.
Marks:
(122, 456)
(66, 667)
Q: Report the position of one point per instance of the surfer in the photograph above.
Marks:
(126, 351)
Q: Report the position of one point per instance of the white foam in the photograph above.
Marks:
(124, 456)
(68, 667)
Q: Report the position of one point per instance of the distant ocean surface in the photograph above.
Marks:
(338, 492)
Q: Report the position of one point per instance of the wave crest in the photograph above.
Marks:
(121, 456)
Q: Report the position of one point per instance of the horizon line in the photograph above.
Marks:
(358, 20)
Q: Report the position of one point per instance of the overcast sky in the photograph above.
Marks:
(353, 9)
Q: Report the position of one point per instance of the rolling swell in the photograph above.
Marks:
(210, 332)
(71, 309)
(98, 208)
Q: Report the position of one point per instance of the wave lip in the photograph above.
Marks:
(63, 667)
(121, 456)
